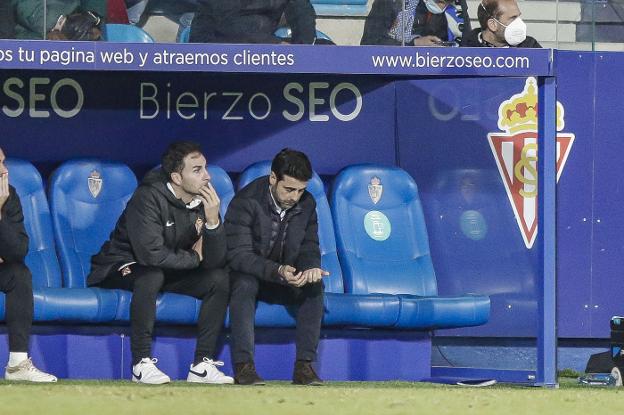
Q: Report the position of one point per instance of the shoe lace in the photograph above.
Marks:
(151, 361)
(213, 362)
(28, 365)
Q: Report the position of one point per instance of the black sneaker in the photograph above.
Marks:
(245, 374)
(304, 374)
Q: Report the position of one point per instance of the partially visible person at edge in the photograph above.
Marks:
(16, 283)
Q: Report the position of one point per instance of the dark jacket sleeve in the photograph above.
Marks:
(219, 21)
(530, 42)
(13, 237)
(301, 18)
(146, 234)
(310, 253)
(7, 20)
(239, 222)
(378, 23)
(214, 247)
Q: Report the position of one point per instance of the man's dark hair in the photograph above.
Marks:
(487, 9)
(292, 163)
(173, 159)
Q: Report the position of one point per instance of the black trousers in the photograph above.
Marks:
(16, 283)
(247, 289)
(210, 286)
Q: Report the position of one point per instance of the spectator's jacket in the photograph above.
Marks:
(384, 14)
(7, 20)
(157, 229)
(252, 21)
(13, 236)
(249, 227)
(29, 14)
(474, 40)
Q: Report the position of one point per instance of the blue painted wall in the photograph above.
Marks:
(437, 129)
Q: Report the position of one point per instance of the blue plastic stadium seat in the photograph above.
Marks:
(383, 248)
(52, 303)
(176, 308)
(223, 185)
(340, 309)
(185, 35)
(467, 201)
(125, 33)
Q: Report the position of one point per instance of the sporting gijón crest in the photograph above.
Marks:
(515, 152)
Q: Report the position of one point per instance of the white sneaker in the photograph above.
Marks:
(207, 372)
(28, 372)
(146, 372)
(617, 375)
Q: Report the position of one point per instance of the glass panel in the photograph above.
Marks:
(23, 19)
(341, 22)
(602, 24)
(480, 208)
(42, 19)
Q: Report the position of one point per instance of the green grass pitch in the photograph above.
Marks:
(276, 398)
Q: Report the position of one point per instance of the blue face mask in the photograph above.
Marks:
(433, 7)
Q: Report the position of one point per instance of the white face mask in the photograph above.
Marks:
(433, 7)
(515, 32)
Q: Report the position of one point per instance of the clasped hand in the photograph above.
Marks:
(299, 279)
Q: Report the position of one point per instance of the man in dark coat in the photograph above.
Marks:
(170, 238)
(274, 255)
(16, 283)
(252, 21)
(501, 26)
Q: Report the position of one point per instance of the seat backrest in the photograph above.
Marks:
(41, 258)
(185, 34)
(86, 199)
(327, 241)
(125, 33)
(223, 185)
(380, 232)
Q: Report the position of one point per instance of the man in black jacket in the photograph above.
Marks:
(170, 238)
(501, 26)
(16, 283)
(274, 255)
(252, 21)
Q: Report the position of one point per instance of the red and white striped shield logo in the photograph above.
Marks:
(515, 152)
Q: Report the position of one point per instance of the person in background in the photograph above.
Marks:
(252, 21)
(64, 19)
(501, 26)
(421, 23)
